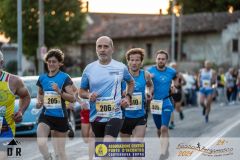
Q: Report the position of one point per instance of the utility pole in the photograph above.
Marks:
(19, 37)
(173, 33)
(179, 33)
(238, 62)
(40, 37)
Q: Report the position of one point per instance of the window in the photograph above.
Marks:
(235, 47)
(149, 50)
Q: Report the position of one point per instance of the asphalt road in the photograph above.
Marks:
(222, 130)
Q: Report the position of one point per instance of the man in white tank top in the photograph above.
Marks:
(206, 78)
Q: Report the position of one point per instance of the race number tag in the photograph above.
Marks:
(104, 108)
(136, 102)
(156, 106)
(52, 100)
(206, 83)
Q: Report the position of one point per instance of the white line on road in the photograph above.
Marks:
(214, 140)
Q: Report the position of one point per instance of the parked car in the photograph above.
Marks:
(28, 126)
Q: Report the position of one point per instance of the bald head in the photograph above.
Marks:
(173, 65)
(105, 38)
(104, 49)
(208, 64)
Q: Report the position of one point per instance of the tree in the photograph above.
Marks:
(11, 67)
(191, 6)
(64, 22)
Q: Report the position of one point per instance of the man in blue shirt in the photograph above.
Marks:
(161, 105)
(135, 115)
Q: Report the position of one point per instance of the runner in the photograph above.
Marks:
(10, 86)
(161, 105)
(135, 116)
(84, 115)
(85, 123)
(70, 108)
(55, 87)
(177, 95)
(206, 78)
(229, 85)
(101, 84)
(221, 98)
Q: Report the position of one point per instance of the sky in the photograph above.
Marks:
(128, 6)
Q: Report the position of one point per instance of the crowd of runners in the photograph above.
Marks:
(115, 98)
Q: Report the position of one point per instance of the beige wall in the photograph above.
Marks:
(198, 47)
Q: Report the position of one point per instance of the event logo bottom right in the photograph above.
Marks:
(221, 147)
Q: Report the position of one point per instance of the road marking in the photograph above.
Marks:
(214, 140)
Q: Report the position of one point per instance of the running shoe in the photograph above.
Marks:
(171, 126)
(206, 118)
(181, 115)
(70, 131)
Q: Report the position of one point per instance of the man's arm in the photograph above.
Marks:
(24, 98)
(238, 78)
(67, 92)
(149, 84)
(183, 80)
(129, 91)
(130, 87)
(85, 94)
(84, 88)
(176, 81)
(40, 98)
(68, 95)
(198, 79)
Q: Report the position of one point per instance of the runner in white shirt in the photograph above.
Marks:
(101, 84)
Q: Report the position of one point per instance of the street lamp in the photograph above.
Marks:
(178, 11)
(230, 9)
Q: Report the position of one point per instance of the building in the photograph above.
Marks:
(9, 51)
(213, 36)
